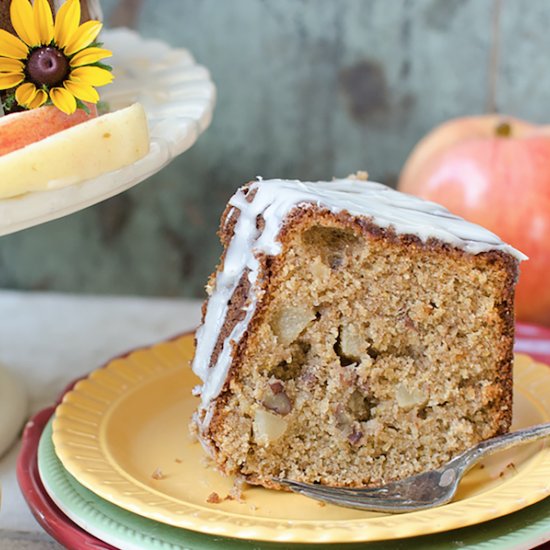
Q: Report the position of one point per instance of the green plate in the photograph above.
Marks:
(524, 529)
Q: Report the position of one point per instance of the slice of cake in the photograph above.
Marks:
(353, 335)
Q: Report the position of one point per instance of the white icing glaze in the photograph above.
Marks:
(274, 200)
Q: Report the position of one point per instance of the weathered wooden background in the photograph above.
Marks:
(307, 89)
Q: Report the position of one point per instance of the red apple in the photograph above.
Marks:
(494, 171)
(21, 129)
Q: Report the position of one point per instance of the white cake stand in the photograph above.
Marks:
(178, 96)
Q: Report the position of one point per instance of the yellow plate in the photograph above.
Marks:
(129, 420)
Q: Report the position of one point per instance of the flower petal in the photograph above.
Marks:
(88, 56)
(11, 46)
(23, 22)
(83, 37)
(82, 91)
(43, 20)
(25, 93)
(39, 100)
(10, 80)
(93, 76)
(63, 100)
(8, 65)
(66, 22)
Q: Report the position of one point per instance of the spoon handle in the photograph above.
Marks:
(528, 435)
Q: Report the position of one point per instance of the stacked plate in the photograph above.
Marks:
(112, 466)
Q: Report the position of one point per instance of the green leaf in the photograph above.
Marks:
(101, 66)
(9, 101)
(103, 108)
(82, 105)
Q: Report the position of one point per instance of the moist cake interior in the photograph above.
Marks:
(372, 357)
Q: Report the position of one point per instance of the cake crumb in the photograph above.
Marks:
(252, 507)
(509, 466)
(360, 175)
(178, 461)
(214, 498)
(192, 433)
(157, 474)
(321, 504)
(236, 492)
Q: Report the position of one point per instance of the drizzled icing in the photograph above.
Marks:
(274, 200)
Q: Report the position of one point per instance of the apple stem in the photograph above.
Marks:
(503, 129)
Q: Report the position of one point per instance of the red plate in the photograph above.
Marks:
(48, 515)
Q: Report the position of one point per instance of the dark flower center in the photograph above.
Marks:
(47, 66)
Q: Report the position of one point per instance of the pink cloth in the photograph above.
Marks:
(534, 341)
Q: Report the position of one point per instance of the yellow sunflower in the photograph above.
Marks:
(52, 61)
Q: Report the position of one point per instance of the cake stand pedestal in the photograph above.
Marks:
(178, 97)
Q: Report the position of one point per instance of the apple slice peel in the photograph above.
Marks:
(77, 154)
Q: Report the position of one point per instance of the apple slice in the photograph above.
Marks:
(80, 153)
(21, 129)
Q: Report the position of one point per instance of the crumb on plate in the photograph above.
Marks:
(213, 498)
(157, 474)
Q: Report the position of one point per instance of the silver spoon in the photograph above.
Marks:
(422, 491)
